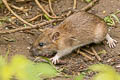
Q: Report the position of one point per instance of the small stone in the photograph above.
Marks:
(28, 47)
(118, 66)
(104, 12)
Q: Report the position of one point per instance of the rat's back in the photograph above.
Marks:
(84, 27)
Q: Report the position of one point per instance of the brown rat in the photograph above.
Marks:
(77, 30)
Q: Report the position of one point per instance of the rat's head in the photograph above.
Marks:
(46, 43)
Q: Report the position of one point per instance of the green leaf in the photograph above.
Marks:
(0, 3)
(102, 52)
(28, 70)
(109, 21)
(106, 72)
(24, 69)
(79, 77)
(48, 18)
(5, 72)
(88, 1)
(116, 18)
(2, 62)
(49, 63)
(46, 70)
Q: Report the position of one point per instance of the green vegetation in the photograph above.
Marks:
(79, 77)
(23, 69)
(1, 4)
(105, 72)
(4, 19)
(88, 1)
(49, 19)
(112, 18)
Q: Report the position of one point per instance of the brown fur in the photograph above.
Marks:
(78, 30)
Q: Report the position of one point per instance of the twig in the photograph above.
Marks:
(87, 51)
(18, 8)
(75, 4)
(40, 6)
(74, 7)
(91, 4)
(34, 18)
(83, 54)
(50, 5)
(6, 4)
(97, 56)
(28, 28)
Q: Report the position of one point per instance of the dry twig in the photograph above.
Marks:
(18, 8)
(74, 7)
(34, 18)
(83, 54)
(8, 7)
(88, 51)
(50, 5)
(91, 4)
(28, 28)
(40, 6)
(97, 56)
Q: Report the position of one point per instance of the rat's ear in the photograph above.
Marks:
(55, 36)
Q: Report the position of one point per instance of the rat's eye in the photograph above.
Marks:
(41, 44)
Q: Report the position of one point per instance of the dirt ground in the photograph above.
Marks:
(20, 42)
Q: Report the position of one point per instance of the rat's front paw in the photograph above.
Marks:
(55, 59)
(112, 43)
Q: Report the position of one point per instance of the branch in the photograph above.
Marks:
(40, 6)
(90, 5)
(28, 28)
(74, 7)
(50, 5)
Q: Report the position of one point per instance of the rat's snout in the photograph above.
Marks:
(35, 52)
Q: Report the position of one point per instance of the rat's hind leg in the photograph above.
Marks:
(111, 42)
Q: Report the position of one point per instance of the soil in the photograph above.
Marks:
(20, 42)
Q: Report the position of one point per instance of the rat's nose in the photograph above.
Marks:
(34, 51)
